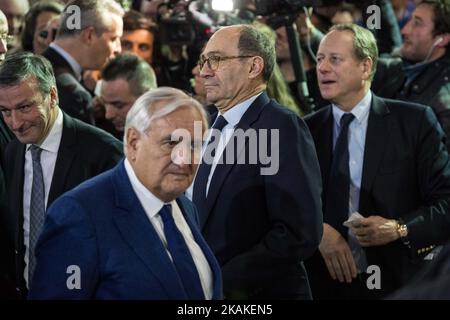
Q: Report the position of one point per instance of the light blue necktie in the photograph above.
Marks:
(37, 208)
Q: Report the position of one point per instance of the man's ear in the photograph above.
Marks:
(442, 40)
(367, 65)
(132, 138)
(256, 68)
(53, 97)
(87, 35)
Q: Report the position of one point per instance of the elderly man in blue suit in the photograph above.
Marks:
(130, 233)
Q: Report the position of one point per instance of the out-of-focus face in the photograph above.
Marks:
(418, 36)
(107, 45)
(342, 17)
(15, 11)
(138, 42)
(150, 8)
(42, 21)
(342, 78)
(163, 165)
(282, 45)
(26, 112)
(118, 100)
(199, 83)
(3, 36)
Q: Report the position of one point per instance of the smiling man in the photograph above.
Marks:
(134, 233)
(52, 153)
(385, 159)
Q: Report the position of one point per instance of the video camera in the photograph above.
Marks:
(270, 7)
(181, 23)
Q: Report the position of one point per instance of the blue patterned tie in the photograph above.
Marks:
(181, 256)
(338, 190)
(37, 208)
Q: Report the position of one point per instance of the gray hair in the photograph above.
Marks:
(20, 66)
(142, 113)
(255, 42)
(94, 13)
(364, 43)
(138, 74)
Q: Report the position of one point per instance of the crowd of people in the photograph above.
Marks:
(135, 168)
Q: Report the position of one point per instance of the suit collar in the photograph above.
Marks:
(221, 172)
(66, 155)
(133, 223)
(378, 132)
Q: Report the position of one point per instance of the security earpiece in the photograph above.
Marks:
(439, 40)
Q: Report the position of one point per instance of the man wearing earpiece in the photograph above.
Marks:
(422, 73)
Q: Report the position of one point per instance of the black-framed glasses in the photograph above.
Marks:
(213, 61)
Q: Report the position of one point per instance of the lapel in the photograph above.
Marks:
(215, 268)
(60, 65)
(15, 192)
(132, 222)
(66, 154)
(323, 135)
(222, 171)
(378, 131)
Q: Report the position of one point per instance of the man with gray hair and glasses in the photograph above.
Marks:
(134, 234)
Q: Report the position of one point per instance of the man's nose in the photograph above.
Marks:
(323, 66)
(182, 155)
(110, 112)
(206, 71)
(16, 120)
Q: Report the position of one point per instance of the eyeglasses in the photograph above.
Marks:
(213, 61)
(6, 37)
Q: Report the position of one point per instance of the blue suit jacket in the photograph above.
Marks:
(101, 228)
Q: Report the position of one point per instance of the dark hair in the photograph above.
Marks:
(18, 67)
(364, 43)
(138, 73)
(31, 19)
(255, 42)
(441, 10)
(134, 20)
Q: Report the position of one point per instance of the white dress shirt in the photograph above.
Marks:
(356, 143)
(50, 147)
(152, 205)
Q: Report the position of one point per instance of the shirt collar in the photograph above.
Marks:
(360, 111)
(72, 62)
(234, 115)
(52, 141)
(151, 204)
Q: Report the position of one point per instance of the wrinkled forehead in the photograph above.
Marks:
(224, 41)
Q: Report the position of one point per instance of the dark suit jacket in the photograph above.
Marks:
(84, 152)
(406, 174)
(102, 228)
(261, 227)
(5, 248)
(74, 99)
